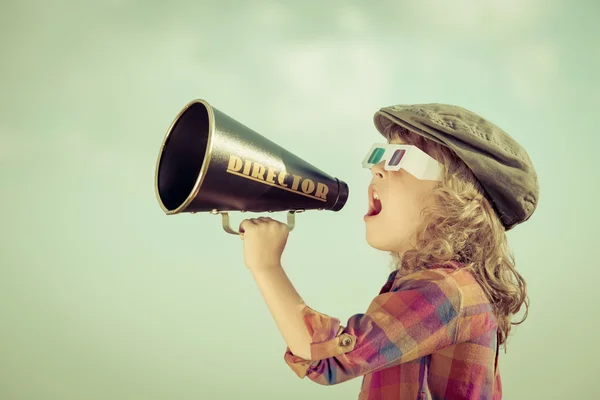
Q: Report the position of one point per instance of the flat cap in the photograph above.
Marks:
(501, 165)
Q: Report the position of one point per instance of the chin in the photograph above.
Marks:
(379, 243)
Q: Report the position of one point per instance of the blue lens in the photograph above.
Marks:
(376, 156)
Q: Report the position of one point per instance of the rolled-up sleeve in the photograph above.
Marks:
(417, 317)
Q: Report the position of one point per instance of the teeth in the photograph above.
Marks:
(376, 195)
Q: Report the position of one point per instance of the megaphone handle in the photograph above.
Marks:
(291, 222)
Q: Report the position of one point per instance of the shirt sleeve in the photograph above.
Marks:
(419, 316)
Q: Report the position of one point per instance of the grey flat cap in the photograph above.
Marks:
(501, 165)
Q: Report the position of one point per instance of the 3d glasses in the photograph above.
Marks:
(410, 158)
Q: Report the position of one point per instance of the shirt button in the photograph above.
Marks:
(346, 341)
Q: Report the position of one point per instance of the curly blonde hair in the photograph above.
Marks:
(463, 227)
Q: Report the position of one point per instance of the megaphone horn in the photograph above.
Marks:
(209, 162)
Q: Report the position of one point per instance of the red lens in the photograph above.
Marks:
(396, 158)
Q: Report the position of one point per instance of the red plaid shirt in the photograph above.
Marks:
(427, 335)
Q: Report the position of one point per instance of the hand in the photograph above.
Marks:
(264, 241)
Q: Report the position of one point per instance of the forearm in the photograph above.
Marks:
(286, 306)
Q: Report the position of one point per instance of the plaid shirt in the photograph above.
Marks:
(427, 335)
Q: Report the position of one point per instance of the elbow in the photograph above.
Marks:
(326, 382)
(327, 373)
(300, 353)
(319, 372)
(328, 379)
(301, 350)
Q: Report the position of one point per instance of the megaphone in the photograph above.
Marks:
(209, 162)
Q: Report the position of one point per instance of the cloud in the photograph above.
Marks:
(359, 57)
(352, 19)
(269, 15)
(475, 16)
(340, 75)
(533, 72)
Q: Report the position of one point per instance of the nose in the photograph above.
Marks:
(378, 170)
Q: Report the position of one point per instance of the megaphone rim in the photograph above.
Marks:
(205, 162)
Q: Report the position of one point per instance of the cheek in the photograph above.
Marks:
(405, 207)
(403, 199)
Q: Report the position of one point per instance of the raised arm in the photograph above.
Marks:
(264, 242)
(286, 306)
(417, 316)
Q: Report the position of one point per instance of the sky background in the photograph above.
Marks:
(103, 296)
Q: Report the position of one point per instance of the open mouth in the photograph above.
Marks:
(374, 203)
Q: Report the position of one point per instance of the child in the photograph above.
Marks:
(444, 190)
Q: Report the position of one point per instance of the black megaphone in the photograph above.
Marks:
(209, 162)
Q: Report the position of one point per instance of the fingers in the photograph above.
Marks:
(255, 221)
(251, 223)
(244, 226)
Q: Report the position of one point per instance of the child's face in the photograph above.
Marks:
(402, 198)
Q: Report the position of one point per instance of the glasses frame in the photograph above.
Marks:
(413, 160)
